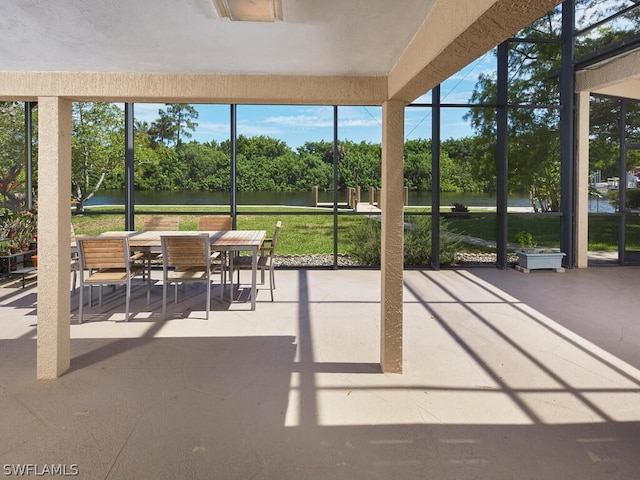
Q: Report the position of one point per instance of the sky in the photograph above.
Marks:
(295, 124)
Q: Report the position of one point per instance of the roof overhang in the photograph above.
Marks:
(619, 77)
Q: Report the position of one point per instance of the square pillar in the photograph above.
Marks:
(392, 241)
(582, 181)
(54, 236)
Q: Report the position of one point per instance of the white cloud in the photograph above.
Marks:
(361, 122)
(147, 112)
(348, 117)
(213, 128)
(252, 129)
(300, 121)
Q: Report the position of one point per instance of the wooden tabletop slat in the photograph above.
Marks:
(220, 239)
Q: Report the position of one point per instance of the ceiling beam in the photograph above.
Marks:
(455, 33)
(194, 88)
(619, 77)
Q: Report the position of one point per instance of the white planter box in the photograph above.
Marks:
(537, 259)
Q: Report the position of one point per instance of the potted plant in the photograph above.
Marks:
(460, 210)
(5, 251)
(20, 229)
(532, 257)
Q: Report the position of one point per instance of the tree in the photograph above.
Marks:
(534, 159)
(532, 133)
(184, 116)
(163, 130)
(207, 167)
(97, 148)
(604, 145)
(417, 164)
(360, 164)
(12, 155)
(322, 150)
(10, 188)
(175, 124)
(466, 173)
(260, 146)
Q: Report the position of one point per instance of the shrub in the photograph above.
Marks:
(417, 243)
(366, 242)
(633, 198)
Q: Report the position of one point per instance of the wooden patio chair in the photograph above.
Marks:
(161, 223)
(221, 223)
(186, 259)
(265, 259)
(75, 260)
(215, 222)
(107, 261)
(155, 224)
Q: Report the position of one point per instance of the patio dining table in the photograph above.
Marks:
(221, 240)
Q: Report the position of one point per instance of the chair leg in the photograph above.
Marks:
(223, 274)
(208, 297)
(237, 285)
(149, 287)
(81, 303)
(271, 282)
(126, 301)
(164, 298)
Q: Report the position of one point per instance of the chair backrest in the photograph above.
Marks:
(274, 239)
(103, 252)
(215, 222)
(74, 244)
(161, 223)
(186, 250)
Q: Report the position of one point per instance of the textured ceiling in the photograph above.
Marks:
(316, 37)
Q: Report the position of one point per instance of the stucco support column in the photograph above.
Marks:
(54, 236)
(582, 181)
(392, 235)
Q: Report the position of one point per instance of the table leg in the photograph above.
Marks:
(231, 252)
(254, 275)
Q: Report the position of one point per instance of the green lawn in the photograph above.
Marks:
(544, 229)
(603, 230)
(303, 233)
(300, 234)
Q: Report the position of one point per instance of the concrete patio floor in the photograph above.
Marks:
(506, 376)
